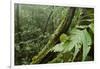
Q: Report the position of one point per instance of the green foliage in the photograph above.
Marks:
(30, 32)
(79, 40)
(35, 23)
(58, 47)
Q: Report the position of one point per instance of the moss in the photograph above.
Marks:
(61, 29)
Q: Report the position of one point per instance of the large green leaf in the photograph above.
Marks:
(79, 37)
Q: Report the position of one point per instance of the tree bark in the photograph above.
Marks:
(62, 28)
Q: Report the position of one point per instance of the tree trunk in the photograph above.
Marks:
(17, 24)
(62, 28)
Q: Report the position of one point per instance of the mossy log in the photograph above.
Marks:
(62, 28)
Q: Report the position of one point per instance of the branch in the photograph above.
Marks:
(62, 28)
